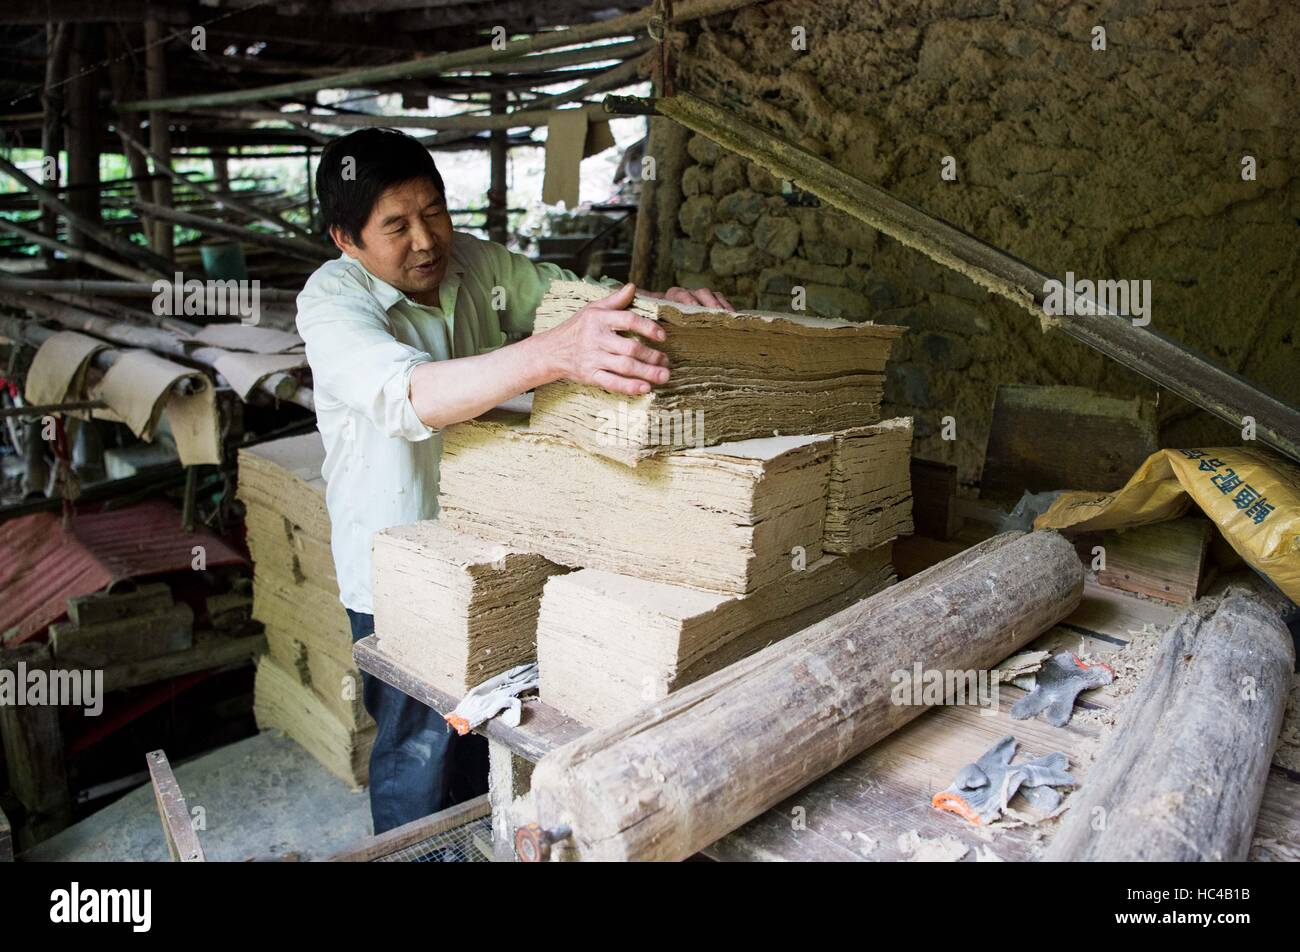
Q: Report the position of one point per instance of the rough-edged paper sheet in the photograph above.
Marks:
(138, 389)
(566, 136)
(58, 370)
(246, 337)
(245, 371)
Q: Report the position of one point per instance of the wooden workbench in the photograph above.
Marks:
(868, 807)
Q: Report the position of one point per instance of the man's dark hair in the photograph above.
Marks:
(356, 169)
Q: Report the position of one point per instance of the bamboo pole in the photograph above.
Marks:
(91, 258)
(57, 38)
(224, 199)
(141, 256)
(81, 131)
(478, 57)
(296, 247)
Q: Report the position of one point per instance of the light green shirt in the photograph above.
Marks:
(364, 338)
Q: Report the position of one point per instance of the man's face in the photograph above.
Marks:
(407, 240)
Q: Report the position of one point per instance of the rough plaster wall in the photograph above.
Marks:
(1116, 164)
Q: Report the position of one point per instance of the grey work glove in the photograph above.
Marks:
(494, 696)
(1056, 686)
(982, 790)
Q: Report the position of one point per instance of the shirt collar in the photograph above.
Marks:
(387, 295)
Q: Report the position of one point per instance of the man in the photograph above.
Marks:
(407, 333)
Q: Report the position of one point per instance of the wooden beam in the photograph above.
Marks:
(443, 62)
(58, 40)
(667, 782)
(498, 165)
(1147, 352)
(1182, 776)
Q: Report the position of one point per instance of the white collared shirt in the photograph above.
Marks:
(364, 338)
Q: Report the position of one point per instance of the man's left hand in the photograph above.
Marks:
(701, 296)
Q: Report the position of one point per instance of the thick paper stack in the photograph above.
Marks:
(735, 376)
(455, 609)
(609, 644)
(723, 519)
(308, 685)
(869, 500)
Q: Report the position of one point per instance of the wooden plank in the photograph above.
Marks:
(126, 639)
(1047, 438)
(1182, 777)
(1162, 561)
(33, 746)
(540, 728)
(182, 840)
(409, 834)
(113, 606)
(210, 650)
(686, 771)
(934, 494)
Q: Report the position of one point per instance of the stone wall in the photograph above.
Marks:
(1123, 163)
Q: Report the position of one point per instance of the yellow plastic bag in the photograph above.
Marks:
(1251, 494)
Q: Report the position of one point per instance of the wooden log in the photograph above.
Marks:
(1183, 775)
(684, 772)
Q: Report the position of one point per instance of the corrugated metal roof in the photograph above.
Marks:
(42, 564)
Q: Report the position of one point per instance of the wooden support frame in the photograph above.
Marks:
(409, 834)
(182, 841)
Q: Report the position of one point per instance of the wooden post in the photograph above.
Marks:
(499, 159)
(83, 131)
(509, 776)
(668, 144)
(220, 170)
(1182, 776)
(57, 37)
(665, 783)
(33, 745)
(160, 137)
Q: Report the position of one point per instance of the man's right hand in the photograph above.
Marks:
(588, 348)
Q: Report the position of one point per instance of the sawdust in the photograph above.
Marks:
(921, 849)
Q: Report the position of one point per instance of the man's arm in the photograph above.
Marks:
(587, 348)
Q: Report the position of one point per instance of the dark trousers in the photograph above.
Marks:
(419, 765)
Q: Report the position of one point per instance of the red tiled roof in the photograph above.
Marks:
(42, 565)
